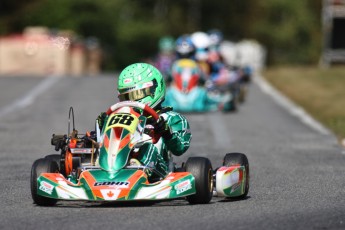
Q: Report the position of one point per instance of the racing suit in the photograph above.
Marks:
(157, 155)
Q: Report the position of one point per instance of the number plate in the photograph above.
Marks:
(122, 120)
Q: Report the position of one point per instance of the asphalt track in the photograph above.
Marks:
(297, 173)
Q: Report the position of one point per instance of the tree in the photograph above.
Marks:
(129, 30)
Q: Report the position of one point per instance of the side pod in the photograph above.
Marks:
(230, 181)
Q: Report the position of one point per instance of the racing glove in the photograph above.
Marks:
(162, 128)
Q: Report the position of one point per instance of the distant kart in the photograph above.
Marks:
(97, 168)
(186, 92)
(245, 76)
(225, 86)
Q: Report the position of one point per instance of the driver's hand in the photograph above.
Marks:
(162, 128)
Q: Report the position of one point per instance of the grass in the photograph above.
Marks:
(321, 92)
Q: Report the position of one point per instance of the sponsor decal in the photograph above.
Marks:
(127, 80)
(147, 84)
(121, 184)
(46, 187)
(236, 186)
(81, 150)
(149, 126)
(183, 186)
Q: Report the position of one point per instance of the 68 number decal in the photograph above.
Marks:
(122, 119)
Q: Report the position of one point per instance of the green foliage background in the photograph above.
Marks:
(129, 30)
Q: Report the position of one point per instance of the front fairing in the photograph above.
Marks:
(195, 101)
(123, 185)
(231, 181)
(185, 80)
(185, 75)
(122, 131)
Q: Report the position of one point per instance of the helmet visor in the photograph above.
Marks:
(148, 89)
(135, 95)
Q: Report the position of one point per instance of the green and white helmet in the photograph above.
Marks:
(141, 82)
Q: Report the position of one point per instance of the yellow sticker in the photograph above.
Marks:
(122, 120)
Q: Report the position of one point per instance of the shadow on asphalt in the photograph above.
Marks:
(139, 204)
(120, 204)
(226, 200)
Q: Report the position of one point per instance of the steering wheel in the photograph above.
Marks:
(138, 105)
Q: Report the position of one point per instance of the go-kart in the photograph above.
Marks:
(224, 85)
(186, 92)
(96, 166)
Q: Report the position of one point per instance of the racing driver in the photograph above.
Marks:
(144, 83)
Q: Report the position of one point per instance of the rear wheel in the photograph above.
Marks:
(43, 165)
(201, 169)
(241, 159)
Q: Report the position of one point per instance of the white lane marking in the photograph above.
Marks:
(291, 107)
(30, 97)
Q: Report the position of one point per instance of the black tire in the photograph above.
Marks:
(234, 104)
(235, 101)
(201, 169)
(231, 159)
(54, 157)
(43, 165)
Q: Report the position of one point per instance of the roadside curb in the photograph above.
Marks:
(290, 106)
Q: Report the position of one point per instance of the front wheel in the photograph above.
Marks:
(201, 169)
(54, 157)
(231, 159)
(43, 165)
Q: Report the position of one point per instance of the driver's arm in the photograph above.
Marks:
(181, 135)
